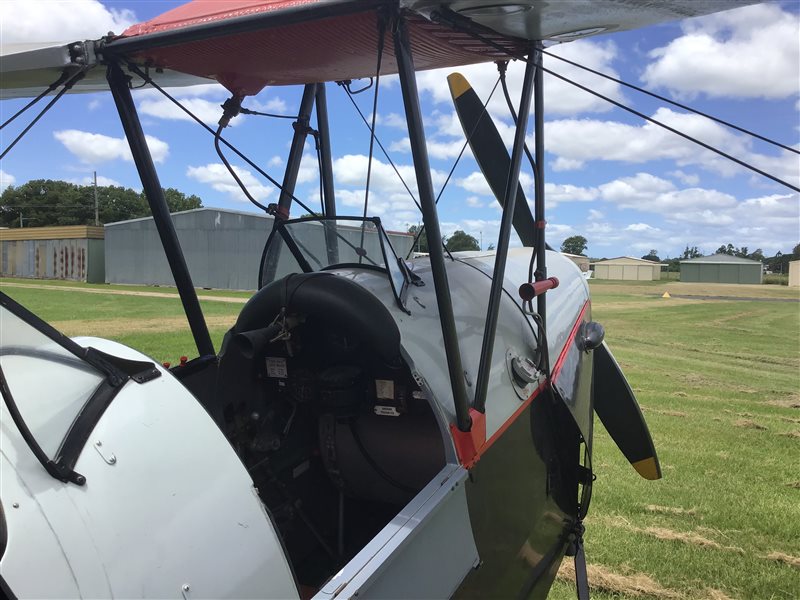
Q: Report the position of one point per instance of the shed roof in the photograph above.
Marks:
(58, 232)
(722, 259)
(625, 260)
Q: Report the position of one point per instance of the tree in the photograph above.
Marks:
(422, 242)
(652, 256)
(43, 202)
(461, 241)
(575, 244)
(757, 254)
(692, 252)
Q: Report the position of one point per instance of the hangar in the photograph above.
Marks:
(222, 248)
(721, 268)
(627, 268)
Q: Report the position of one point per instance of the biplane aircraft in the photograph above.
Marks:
(372, 426)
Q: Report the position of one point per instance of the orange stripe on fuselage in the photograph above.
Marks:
(553, 376)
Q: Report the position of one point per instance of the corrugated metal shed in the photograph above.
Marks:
(73, 252)
(627, 268)
(721, 268)
(222, 248)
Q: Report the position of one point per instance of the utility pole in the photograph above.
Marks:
(20, 219)
(96, 212)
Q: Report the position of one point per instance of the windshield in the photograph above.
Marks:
(317, 244)
(50, 385)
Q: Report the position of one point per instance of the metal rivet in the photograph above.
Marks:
(112, 460)
(185, 587)
(15, 505)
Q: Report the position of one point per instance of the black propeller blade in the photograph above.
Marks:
(490, 152)
(619, 412)
(614, 401)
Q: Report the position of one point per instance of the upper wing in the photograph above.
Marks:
(248, 44)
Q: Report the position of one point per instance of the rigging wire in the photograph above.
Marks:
(502, 67)
(381, 40)
(67, 86)
(675, 131)
(674, 103)
(228, 166)
(449, 18)
(63, 78)
(247, 111)
(378, 141)
(133, 68)
(453, 168)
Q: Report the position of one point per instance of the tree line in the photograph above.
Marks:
(45, 202)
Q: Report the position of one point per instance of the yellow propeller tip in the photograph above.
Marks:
(458, 84)
(647, 468)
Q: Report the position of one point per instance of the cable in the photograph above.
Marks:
(675, 131)
(381, 39)
(56, 98)
(247, 111)
(678, 104)
(133, 68)
(64, 77)
(388, 478)
(378, 141)
(455, 21)
(232, 172)
(453, 168)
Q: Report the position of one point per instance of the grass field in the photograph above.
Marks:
(719, 383)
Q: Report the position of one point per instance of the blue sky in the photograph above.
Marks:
(626, 186)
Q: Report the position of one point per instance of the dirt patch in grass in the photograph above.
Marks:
(791, 434)
(789, 419)
(114, 327)
(748, 424)
(788, 559)
(669, 413)
(670, 510)
(713, 594)
(688, 537)
(793, 484)
(790, 402)
(603, 579)
(86, 290)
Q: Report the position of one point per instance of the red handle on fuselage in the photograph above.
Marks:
(529, 291)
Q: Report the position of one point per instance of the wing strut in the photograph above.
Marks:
(118, 82)
(419, 152)
(510, 198)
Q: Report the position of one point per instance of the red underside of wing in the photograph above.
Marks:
(329, 49)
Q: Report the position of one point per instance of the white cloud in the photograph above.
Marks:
(640, 227)
(59, 21)
(560, 97)
(394, 120)
(750, 52)
(687, 178)
(475, 182)
(6, 179)
(576, 141)
(96, 148)
(595, 214)
(475, 202)
(217, 176)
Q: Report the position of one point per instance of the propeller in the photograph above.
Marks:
(614, 401)
(489, 151)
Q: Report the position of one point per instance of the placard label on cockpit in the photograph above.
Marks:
(276, 367)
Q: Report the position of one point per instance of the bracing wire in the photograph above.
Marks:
(231, 170)
(738, 161)
(455, 164)
(459, 23)
(67, 86)
(64, 77)
(222, 140)
(380, 145)
(381, 40)
(674, 103)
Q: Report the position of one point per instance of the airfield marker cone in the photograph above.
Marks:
(666, 295)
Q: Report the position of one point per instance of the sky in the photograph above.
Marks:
(627, 186)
